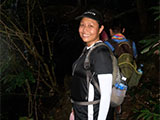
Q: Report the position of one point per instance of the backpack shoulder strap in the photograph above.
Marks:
(87, 61)
(90, 75)
(133, 45)
(116, 72)
(114, 61)
(109, 45)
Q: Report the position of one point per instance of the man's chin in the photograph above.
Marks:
(85, 40)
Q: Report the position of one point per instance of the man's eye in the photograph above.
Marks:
(90, 25)
(81, 25)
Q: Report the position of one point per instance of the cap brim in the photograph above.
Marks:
(81, 16)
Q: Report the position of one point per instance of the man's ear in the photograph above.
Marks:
(111, 32)
(123, 30)
(101, 29)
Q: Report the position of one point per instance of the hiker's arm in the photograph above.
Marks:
(105, 83)
(102, 65)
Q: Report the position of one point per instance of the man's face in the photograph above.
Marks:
(89, 30)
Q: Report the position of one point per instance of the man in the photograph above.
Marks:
(88, 103)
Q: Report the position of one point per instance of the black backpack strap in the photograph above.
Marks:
(87, 61)
(114, 63)
(90, 75)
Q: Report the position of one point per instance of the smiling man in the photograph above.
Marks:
(88, 103)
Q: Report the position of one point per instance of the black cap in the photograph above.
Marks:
(93, 14)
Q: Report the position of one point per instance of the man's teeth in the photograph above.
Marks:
(85, 35)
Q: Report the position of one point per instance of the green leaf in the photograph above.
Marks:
(25, 118)
(157, 18)
(156, 118)
(155, 8)
(149, 118)
(140, 116)
(146, 49)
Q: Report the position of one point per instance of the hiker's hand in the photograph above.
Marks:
(71, 115)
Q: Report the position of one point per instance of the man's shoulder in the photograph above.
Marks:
(99, 49)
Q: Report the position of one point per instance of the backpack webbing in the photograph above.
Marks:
(90, 75)
(114, 62)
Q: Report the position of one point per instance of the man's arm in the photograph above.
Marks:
(105, 83)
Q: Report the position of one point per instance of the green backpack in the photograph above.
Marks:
(127, 64)
(128, 68)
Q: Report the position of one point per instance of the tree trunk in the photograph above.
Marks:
(142, 13)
